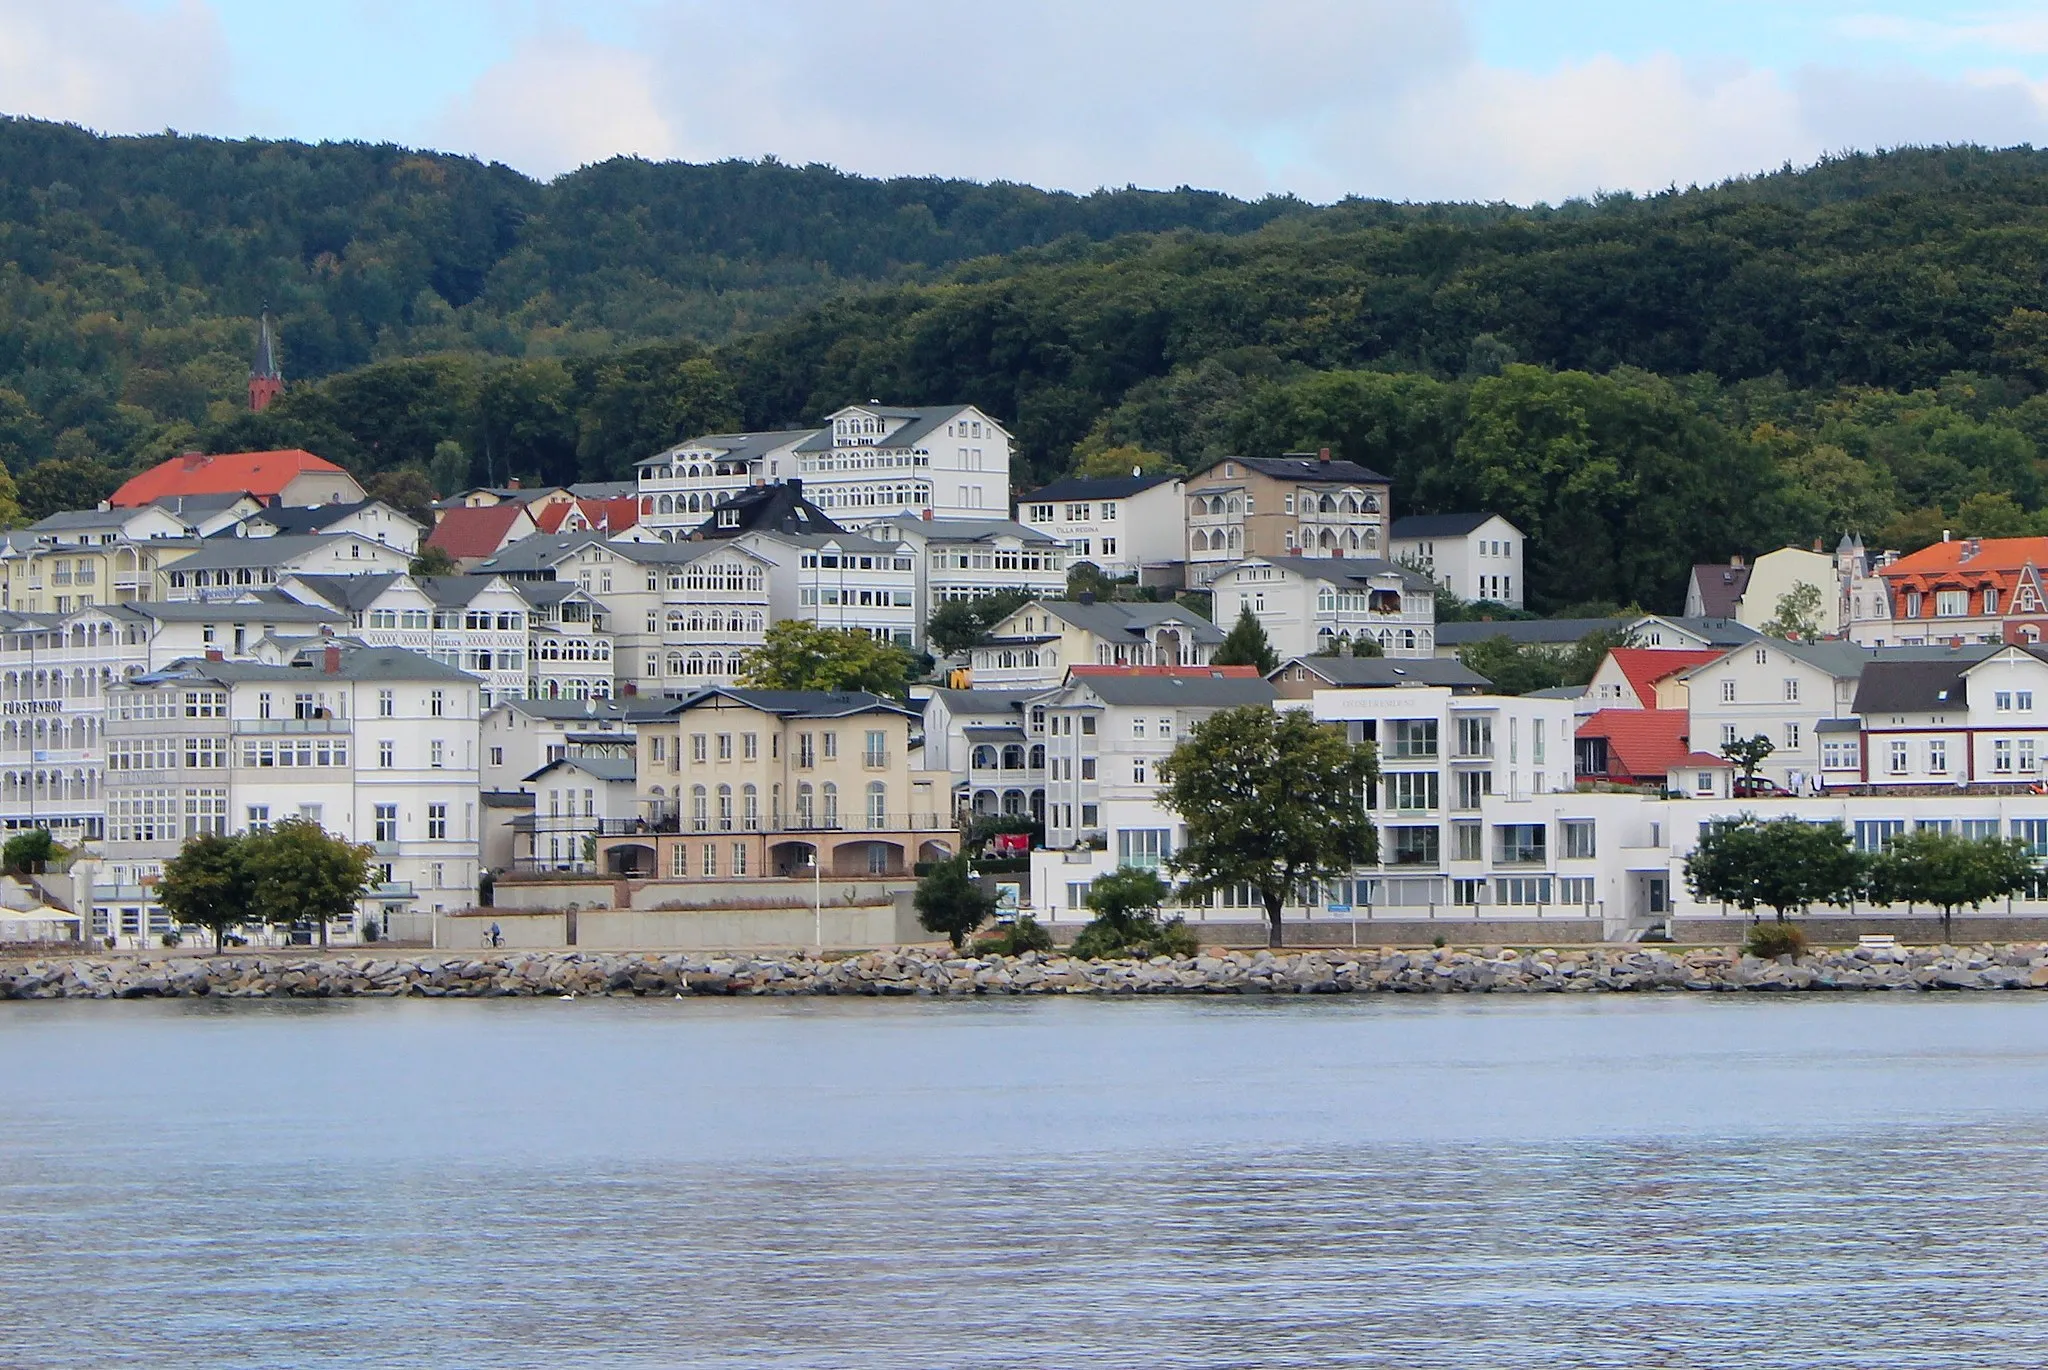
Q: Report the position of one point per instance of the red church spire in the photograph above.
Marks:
(266, 382)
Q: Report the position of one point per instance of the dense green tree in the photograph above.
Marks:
(30, 852)
(1949, 872)
(448, 471)
(405, 489)
(1246, 645)
(951, 902)
(56, 485)
(211, 883)
(1797, 615)
(1125, 459)
(1126, 905)
(1086, 578)
(302, 873)
(960, 624)
(795, 655)
(1782, 864)
(434, 561)
(1270, 800)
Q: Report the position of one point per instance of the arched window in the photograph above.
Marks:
(805, 814)
(1013, 757)
(750, 807)
(668, 505)
(1038, 756)
(699, 821)
(675, 663)
(984, 757)
(878, 804)
(725, 808)
(830, 794)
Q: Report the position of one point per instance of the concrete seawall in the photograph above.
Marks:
(924, 972)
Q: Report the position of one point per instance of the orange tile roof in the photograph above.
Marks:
(1642, 744)
(1993, 554)
(1645, 666)
(612, 515)
(466, 532)
(262, 474)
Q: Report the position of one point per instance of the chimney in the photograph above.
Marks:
(796, 486)
(1323, 456)
(512, 483)
(330, 662)
(1972, 546)
(1087, 597)
(1944, 535)
(1816, 544)
(213, 654)
(1735, 563)
(925, 514)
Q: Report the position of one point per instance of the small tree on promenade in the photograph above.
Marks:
(1749, 753)
(949, 901)
(209, 883)
(1247, 645)
(30, 852)
(1270, 799)
(304, 873)
(1783, 864)
(1949, 871)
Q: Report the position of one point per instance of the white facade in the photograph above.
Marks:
(680, 487)
(876, 461)
(1308, 605)
(974, 558)
(573, 799)
(1474, 556)
(1118, 524)
(1779, 690)
(992, 743)
(378, 746)
(224, 567)
(841, 580)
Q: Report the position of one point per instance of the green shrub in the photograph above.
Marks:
(371, 932)
(1140, 938)
(1770, 940)
(1026, 934)
(1174, 938)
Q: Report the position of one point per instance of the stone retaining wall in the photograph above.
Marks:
(925, 972)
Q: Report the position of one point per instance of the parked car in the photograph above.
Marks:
(1756, 787)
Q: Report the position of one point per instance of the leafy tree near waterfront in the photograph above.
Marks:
(949, 901)
(211, 883)
(1246, 645)
(960, 624)
(30, 852)
(1270, 800)
(302, 873)
(1783, 864)
(795, 655)
(1949, 871)
(1126, 904)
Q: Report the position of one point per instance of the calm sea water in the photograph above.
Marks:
(1668, 1182)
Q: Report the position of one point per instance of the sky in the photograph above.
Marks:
(1517, 100)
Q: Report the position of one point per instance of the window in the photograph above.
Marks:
(498, 755)
(1521, 844)
(750, 746)
(1468, 842)
(436, 702)
(1977, 829)
(2026, 756)
(386, 704)
(1937, 757)
(387, 754)
(1472, 786)
(679, 860)
(710, 866)
(1087, 768)
(1791, 737)
(259, 817)
(1838, 754)
(1412, 737)
(1875, 834)
(435, 753)
(875, 751)
(1468, 893)
(1138, 725)
(700, 809)
(1727, 733)
(2002, 701)
(2001, 756)
(878, 804)
(1728, 691)
(387, 823)
(1475, 737)
(1139, 772)
(1412, 790)
(1575, 838)
(1145, 848)
(1575, 890)
(1991, 601)
(739, 858)
(699, 747)
(1951, 603)
(1791, 690)
(805, 756)
(1522, 889)
(830, 744)
(1899, 761)
(437, 822)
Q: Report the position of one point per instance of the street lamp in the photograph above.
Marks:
(817, 898)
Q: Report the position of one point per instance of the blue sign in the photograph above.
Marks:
(1340, 908)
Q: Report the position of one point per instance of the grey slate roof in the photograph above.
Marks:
(1184, 691)
(268, 606)
(920, 424)
(1558, 692)
(1436, 525)
(455, 591)
(1912, 687)
(317, 518)
(1094, 488)
(747, 447)
(605, 489)
(1718, 632)
(1720, 586)
(777, 508)
(1370, 672)
(72, 520)
(1307, 468)
(607, 768)
(1116, 619)
(975, 530)
(635, 710)
(960, 702)
(1354, 570)
(367, 663)
(354, 593)
(234, 553)
(803, 703)
(542, 551)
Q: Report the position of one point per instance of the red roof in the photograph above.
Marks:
(1642, 744)
(611, 515)
(465, 532)
(262, 474)
(1984, 554)
(1645, 666)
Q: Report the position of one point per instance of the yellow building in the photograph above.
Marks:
(90, 558)
(739, 784)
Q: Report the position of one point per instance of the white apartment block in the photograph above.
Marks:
(1311, 604)
(568, 655)
(841, 580)
(992, 742)
(1474, 556)
(225, 567)
(680, 487)
(1119, 524)
(574, 798)
(975, 558)
(868, 461)
(376, 745)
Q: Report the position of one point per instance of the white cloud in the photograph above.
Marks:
(559, 102)
(113, 65)
(2010, 31)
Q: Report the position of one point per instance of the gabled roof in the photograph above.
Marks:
(1306, 468)
(632, 710)
(1643, 667)
(451, 592)
(746, 447)
(72, 520)
(985, 701)
(613, 515)
(234, 553)
(1436, 525)
(262, 474)
(356, 663)
(1641, 743)
(1720, 587)
(1913, 687)
(1115, 619)
(1095, 487)
(777, 508)
(354, 593)
(318, 518)
(804, 703)
(970, 530)
(918, 425)
(468, 533)
(604, 489)
(610, 769)
(1993, 556)
(1375, 672)
(1714, 631)
(266, 606)
(1348, 570)
(1201, 687)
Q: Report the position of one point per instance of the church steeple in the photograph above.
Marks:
(266, 382)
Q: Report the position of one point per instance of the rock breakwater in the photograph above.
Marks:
(1492, 970)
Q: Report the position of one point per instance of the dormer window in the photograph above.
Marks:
(728, 518)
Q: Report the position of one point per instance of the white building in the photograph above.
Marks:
(1118, 523)
(376, 745)
(679, 488)
(975, 558)
(1036, 644)
(992, 742)
(224, 567)
(1474, 556)
(841, 580)
(366, 518)
(574, 798)
(870, 461)
(1310, 604)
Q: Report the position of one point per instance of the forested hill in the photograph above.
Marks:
(1855, 346)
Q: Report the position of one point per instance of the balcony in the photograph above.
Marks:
(272, 726)
(391, 889)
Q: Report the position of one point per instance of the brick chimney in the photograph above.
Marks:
(1323, 456)
(926, 514)
(330, 659)
(214, 654)
(1972, 546)
(512, 483)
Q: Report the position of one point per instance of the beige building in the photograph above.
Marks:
(1036, 644)
(1302, 504)
(747, 783)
